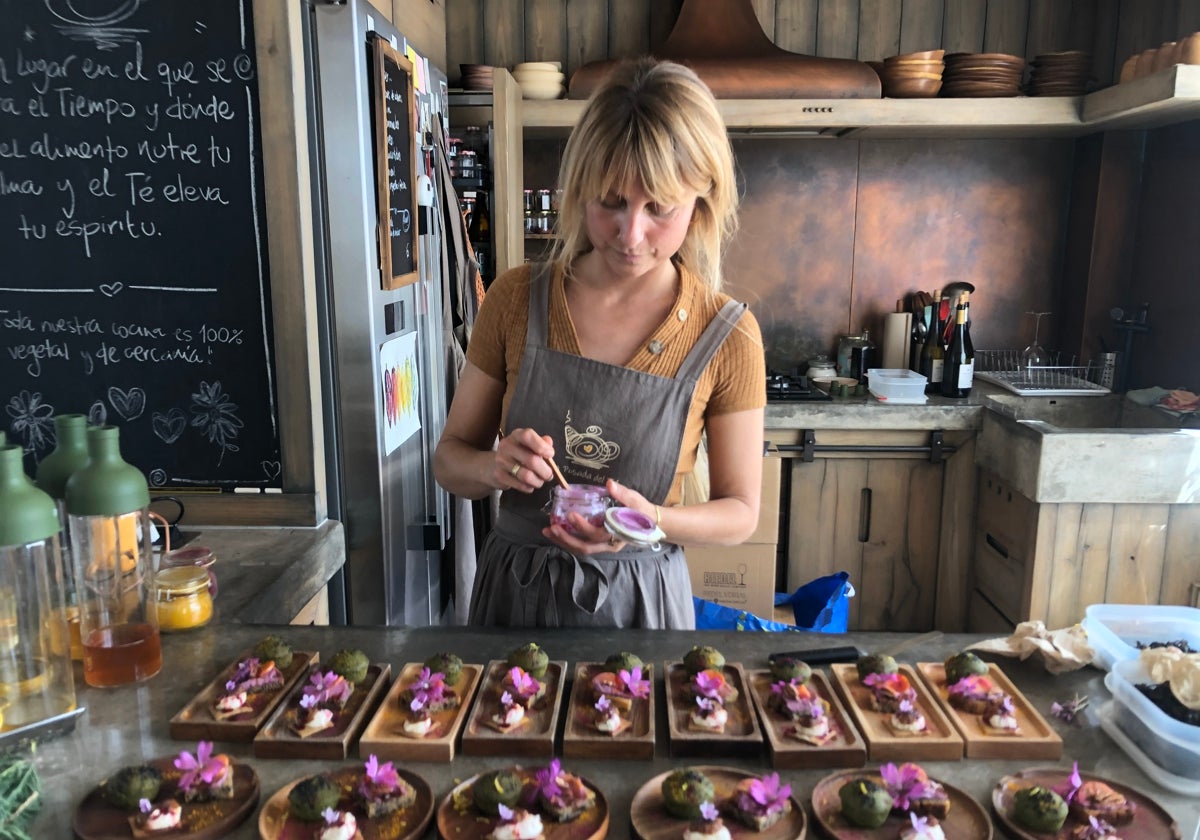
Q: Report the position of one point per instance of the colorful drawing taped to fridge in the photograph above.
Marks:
(400, 392)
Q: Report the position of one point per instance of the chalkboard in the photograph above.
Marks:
(395, 164)
(134, 285)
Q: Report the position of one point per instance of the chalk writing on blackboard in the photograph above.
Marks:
(395, 163)
(135, 286)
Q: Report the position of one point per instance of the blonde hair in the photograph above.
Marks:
(655, 122)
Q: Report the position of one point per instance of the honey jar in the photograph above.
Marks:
(184, 600)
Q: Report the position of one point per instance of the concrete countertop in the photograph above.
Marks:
(128, 725)
(868, 413)
(267, 575)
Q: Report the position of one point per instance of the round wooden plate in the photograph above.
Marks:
(95, 819)
(470, 824)
(276, 823)
(967, 819)
(651, 821)
(1150, 821)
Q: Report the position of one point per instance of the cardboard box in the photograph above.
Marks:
(767, 530)
(739, 576)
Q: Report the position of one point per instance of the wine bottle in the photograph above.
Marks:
(933, 353)
(959, 370)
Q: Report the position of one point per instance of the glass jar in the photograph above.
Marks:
(527, 200)
(194, 555)
(588, 500)
(468, 164)
(820, 367)
(855, 355)
(184, 602)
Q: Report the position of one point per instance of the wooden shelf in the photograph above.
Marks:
(1169, 96)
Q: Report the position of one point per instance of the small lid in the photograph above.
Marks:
(192, 555)
(180, 580)
(633, 526)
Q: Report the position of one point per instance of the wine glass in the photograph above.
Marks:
(1035, 355)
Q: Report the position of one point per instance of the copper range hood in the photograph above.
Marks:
(723, 42)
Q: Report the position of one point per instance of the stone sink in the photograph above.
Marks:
(1089, 449)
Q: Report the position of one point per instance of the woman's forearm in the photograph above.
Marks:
(462, 468)
(728, 521)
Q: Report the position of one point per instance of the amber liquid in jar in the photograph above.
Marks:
(121, 654)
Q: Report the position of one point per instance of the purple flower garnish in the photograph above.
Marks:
(602, 705)
(706, 684)
(201, 768)
(634, 684)
(764, 796)
(779, 687)
(525, 686)
(1068, 711)
(1071, 786)
(708, 811)
(547, 780)
(905, 707)
(806, 707)
(383, 775)
(420, 701)
(309, 701)
(432, 684)
(1006, 706)
(906, 783)
(919, 824)
(706, 704)
(506, 700)
(331, 816)
(506, 813)
(327, 689)
(145, 805)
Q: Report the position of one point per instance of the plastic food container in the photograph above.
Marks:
(1114, 630)
(897, 385)
(1171, 744)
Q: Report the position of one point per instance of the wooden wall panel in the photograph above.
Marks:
(796, 26)
(921, 25)
(1079, 569)
(1182, 570)
(837, 28)
(878, 29)
(764, 10)
(503, 32)
(545, 31)
(963, 25)
(628, 28)
(1049, 27)
(464, 36)
(587, 33)
(1005, 30)
(423, 23)
(1135, 555)
(1101, 17)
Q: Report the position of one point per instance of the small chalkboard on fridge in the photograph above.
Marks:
(395, 164)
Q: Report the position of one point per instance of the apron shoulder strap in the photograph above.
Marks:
(711, 339)
(537, 333)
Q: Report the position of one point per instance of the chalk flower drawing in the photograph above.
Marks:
(32, 419)
(215, 414)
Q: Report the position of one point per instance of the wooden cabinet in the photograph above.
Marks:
(892, 518)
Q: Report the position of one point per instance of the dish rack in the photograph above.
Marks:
(1005, 368)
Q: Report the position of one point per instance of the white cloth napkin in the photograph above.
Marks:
(1062, 650)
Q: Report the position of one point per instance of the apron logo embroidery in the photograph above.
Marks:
(589, 449)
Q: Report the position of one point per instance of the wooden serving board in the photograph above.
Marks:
(742, 735)
(459, 819)
(845, 749)
(95, 819)
(1036, 739)
(276, 823)
(278, 740)
(939, 742)
(195, 721)
(967, 819)
(384, 736)
(536, 738)
(650, 820)
(581, 739)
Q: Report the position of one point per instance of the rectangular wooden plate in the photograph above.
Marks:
(1037, 739)
(384, 735)
(845, 749)
(742, 735)
(536, 738)
(277, 740)
(581, 739)
(195, 721)
(941, 741)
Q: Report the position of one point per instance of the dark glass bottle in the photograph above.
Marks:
(933, 353)
(959, 370)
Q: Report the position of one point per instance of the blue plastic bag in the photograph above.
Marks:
(821, 605)
(713, 616)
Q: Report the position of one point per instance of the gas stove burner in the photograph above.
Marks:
(792, 387)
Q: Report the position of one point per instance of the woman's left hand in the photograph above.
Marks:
(595, 539)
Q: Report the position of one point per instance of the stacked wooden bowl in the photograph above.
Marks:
(1060, 74)
(476, 76)
(982, 74)
(911, 75)
(540, 79)
(1184, 51)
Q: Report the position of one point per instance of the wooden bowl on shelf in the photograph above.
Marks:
(911, 88)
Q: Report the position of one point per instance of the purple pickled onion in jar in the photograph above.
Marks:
(588, 500)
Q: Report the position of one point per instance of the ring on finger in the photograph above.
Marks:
(612, 541)
(516, 468)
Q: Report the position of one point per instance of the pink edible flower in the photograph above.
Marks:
(707, 685)
(707, 704)
(708, 811)
(764, 796)
(1098, 829)
(201, 768)
(906, 783)
(245, 669)
(905, 707)
(432, 684)
(1069, 710)
(634, 684)
(919, 824)
(420, 701)
(506, 700)
(524, 685)
(806, 707)
(602, 705)
(331, 816)
(547, 780)
(326, 688)
(973, 685)
(145, 805)
(505, 812)
(1071, 786)
(379, 777)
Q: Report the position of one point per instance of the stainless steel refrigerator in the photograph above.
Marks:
(396, 518)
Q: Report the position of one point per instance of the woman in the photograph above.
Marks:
(612, 359)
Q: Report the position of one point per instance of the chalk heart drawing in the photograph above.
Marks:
(129, 404)
(271, 469)
(97, 414)
(111, 289)
(169, 426)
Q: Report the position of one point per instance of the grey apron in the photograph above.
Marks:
(606, 421)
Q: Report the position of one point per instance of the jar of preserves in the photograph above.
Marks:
(184, 602)
(194, 555)
(468, 164)
(588, 500)
(527, 199)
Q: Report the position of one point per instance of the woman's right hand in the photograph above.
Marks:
(521, 461)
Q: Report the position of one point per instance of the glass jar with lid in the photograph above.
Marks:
(588, 500)
(820, 367)
(183, 599)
